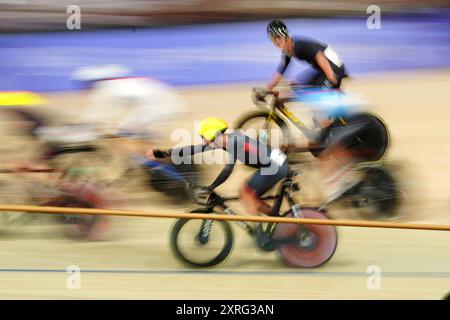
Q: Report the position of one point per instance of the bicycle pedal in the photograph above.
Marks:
(263, 241)
(267, 244)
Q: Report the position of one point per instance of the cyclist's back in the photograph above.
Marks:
(306, 49)
(248, 151)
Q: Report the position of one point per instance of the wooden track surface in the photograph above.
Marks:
(136, 262)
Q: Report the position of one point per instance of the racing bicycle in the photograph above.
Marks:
(377, 195)
(206, 243)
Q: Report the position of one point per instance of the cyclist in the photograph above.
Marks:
(271, 164)
(127, 106)
(326, 72)
(327, 69)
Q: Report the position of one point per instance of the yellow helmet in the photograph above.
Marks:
(210, 127)
(21, 98)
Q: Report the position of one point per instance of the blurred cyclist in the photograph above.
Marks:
(326, 73)
(127, 106)
(327, 70)
(342, 141)
(271, 164)
(23, 117)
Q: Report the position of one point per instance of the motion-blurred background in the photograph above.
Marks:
(48, 15)
(206, 55)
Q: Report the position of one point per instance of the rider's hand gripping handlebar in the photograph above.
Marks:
(259, 95)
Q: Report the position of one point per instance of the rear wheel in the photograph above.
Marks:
(311, 245)
(201, 243)
(373, 141)
(377, 196)
(80, 226)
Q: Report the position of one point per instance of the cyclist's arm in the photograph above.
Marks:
(281, 69)
(223, 176)
(323, 63)
(181, 151)
(274, 81)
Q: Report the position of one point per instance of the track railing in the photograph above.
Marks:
(209, 216)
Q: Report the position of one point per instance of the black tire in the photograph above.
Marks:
(373, 141)
(378, 193)
(286, 140)
(178, 250)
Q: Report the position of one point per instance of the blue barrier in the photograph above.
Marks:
(216, 53)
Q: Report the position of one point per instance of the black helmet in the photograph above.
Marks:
(277, 28)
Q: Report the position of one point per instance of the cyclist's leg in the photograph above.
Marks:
(342, 74)
(339, 74)
(258, 185)
(251, 202)
(312, 78)
(338, 159)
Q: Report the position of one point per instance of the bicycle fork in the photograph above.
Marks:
(206, 226)
(205, 230)
(243, 224)
(305, 240)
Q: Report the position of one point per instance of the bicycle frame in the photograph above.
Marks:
(277, 107)
(287, 187)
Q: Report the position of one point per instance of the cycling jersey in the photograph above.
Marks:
(240, 147)
(306, 49)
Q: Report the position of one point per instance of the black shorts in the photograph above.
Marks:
(261, 183)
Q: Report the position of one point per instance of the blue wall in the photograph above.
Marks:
(218, 52)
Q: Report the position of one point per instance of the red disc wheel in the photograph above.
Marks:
(313, 245)
(81, 226)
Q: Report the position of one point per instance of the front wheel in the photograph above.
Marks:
(311, 245)
(201, 243)
(268, 128)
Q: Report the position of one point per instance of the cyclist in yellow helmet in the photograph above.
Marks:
(271, 164)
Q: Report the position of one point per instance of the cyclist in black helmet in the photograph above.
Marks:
(327, 70)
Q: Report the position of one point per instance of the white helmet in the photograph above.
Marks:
(96, 73)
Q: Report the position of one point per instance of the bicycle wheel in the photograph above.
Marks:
(312, 245)
(80, 226)
(275, 133)
(377, 195)
(197, 248)
(373, 141)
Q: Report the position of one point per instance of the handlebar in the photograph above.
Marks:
(259, 95)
